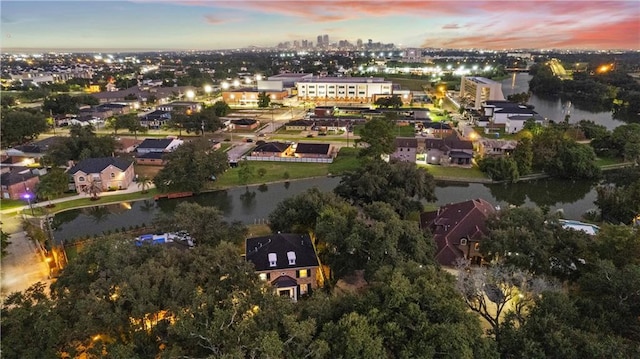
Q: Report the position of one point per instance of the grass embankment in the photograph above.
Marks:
(409, 83)
(457, 172)
(275, 171)
(87, 202)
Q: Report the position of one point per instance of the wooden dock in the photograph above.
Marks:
(173, 195)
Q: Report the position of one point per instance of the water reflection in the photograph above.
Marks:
(253, 204)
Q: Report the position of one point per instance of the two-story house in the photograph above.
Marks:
(287, 261)
(111, 172)
(406, 149)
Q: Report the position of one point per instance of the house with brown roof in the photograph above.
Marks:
(406, 149)
(244, 124)
(273, 149)
(458, 229)
(489, 147)
(299, 125)
(287, 261)
(111, 173)
(451, 150)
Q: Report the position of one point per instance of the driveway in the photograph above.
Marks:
(238, 150)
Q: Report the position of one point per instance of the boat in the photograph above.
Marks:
(182, 237)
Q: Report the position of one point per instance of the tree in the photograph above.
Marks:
(53, 184)
(121, 122)
(4, 243)
(144, 182)
(62, 104)
(393, 101)
(7, 101)
(521, 98)
(378, 134)
(18, 126)
(94, 188)
(221, 108)
(81, 143)
(400, 184)
(300, 213)
(190, 166)
(573, 161)
(205, 224)
(619, 204)
(523, 156)
(205, 120)
(262, 172)
(499, 168)
(263, 100)
(245, 172)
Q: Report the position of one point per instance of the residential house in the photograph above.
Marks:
(324, 111)
(332, 125)
(487, 147)
(245, 124)
(18, 182)
(287, 261)
(451, 150)
(187, 107)
(516, 123)
(313, 150)
(498, 113)
(249, 96)
(111, 172)
(406, 149)
(458, 229)
(128, 145)
(156, 119)
(437, 129)
(299, 125)
(151, 159)
(33, 151)
(273, 149)
(158, 145)
(115, 108)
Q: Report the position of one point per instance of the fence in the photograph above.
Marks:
(289, 159)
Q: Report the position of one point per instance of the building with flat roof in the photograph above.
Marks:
(351, 89)
(476, 90)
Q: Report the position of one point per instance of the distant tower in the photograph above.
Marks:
(319, 40)
(325, 40)
(359, 43)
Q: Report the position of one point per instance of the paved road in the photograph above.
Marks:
(23, 266)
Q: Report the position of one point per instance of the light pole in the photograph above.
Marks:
(27, 196)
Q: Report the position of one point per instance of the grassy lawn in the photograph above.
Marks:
(605, 161)
(283, 131)
(84, 202)
(408, 83)
(405, 131)
(11, 203)
(275, 172)
(460, 172)
(149, 171)
(225, 146)
(347, 160)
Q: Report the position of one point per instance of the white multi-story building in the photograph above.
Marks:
(476, 90)
(363, 89)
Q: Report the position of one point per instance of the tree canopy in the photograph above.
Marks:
(378, 134)
(190, 166)
(81, 144)
(19, 126)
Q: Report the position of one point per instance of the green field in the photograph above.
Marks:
(275, 172)
(408, 83)
(347, 160)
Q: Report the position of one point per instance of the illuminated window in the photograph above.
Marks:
(476, 246)
(263, 276)
(303, 273)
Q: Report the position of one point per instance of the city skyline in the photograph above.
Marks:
(148, 25)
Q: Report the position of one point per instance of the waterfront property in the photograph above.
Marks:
(406, 149)
(457, 230)
(476, 90)
(287, 261)
(488, 147)
(111, 173)
(451, 150)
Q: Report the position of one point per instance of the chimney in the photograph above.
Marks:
(292, 258)
(273, 259)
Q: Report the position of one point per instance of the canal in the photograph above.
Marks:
(572, 197)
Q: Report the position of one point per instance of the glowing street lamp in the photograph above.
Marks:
(225, 85)
(208, 89)
(27, 196)
(236, 83)
(190, 94)
(258, 77)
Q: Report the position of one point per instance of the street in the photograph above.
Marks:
(23, 265)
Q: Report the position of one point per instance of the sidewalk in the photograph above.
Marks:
(133, 188)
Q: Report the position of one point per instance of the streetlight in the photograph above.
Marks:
(236, 83)
(190, 94)
(225, 85)
(27, 196)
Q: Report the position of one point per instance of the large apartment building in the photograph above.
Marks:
(361, 89)
(476, 90)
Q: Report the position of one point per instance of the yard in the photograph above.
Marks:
(275, 171)
(439, 171)
(409, 83)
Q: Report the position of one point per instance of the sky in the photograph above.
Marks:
(216, 24)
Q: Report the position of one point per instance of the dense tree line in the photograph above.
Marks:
(20, 126)
(81, 144)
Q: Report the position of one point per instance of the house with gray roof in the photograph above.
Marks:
(111, 173)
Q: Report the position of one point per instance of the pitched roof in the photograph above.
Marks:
(155, 143)
(258, 250)
(16, 175)
(152, 155)
(313, 148)
(244, 122)
(436, 125)
(406, 142)
(300, 123)
(97, 165)
(40, 146)
(455, 221)
(272, 147)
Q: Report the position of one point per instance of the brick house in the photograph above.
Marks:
(18, 182)
(273, 149)
(287, 261)
(110, 172)
(457, 230)
(245, 124)
(299, 125)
